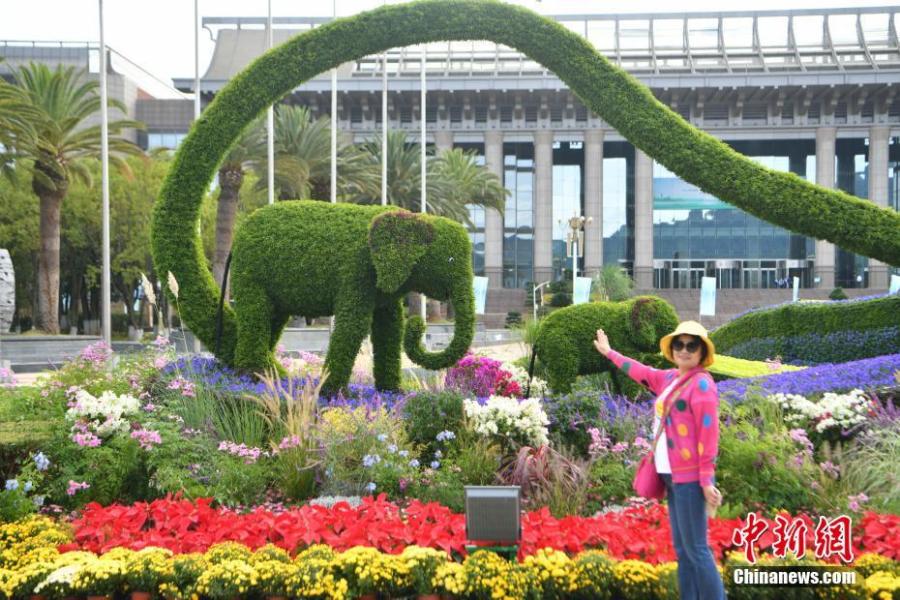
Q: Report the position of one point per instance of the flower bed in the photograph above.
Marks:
(30, 564)
(183, 526)
(863, 374)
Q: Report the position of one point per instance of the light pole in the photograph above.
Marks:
(575, 244)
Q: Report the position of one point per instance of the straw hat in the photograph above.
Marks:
(689, 328)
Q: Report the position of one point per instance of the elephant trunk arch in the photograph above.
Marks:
(463, 302)
(780, 198)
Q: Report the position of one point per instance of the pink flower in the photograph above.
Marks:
(640, 442)
(187, 389)
(74, 486)
(97, 354)
(147, 438)
(161, 342)
(85, 437)
(620, 447)
(160, 362)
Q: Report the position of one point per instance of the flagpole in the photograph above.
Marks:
(334, 119)
(104, 169)
(422, 156)
(384, 126)
(196, 59)
(270, 122)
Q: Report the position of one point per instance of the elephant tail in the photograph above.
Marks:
(222, 304)
(530, 372)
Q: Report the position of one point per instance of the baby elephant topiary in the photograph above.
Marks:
(565, 345)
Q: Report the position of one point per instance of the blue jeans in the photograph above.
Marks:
(698, 578)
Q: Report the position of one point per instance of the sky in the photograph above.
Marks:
(159, 35)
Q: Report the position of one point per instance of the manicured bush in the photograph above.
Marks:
(357, 262)
(565, 342)
(817, 348)
(608, 91)
(837, 294)
(814, 331)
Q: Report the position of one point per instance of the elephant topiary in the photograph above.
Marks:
(355, 262)
(564, 342)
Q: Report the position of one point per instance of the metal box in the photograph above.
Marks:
(493, 513)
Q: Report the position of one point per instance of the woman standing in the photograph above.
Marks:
(685, 453)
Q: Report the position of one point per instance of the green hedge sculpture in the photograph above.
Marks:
(805, 331)
(565, 340)
(618, 98)
(355, 262)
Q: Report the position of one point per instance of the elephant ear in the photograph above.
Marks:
(397, 240)
(642, 321)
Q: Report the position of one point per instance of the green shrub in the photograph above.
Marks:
(115, 471)
(513, 319)
(795, 331)
(758, 466)
(470, 460)
(837, 294)
(560, 299)
(347, 436)
(565, 342)
(425, 414)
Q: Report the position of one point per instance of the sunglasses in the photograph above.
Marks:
(691, 346)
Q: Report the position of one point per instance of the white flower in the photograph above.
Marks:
(524, 422)
(148, 290)
(173, 284)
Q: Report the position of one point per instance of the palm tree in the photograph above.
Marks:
(59, 152)
(303, 159)
(248, 149)
(454, 180)
(16, 114)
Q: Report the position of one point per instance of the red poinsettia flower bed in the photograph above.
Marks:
(633, 533)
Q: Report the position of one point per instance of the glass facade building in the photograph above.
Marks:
(695, 234)
(518, 218)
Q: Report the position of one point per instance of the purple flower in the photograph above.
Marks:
(862, 374)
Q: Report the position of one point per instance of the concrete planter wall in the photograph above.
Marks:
(7, 291)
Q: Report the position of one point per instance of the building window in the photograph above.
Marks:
(696, 233)
(476, 214)
(568, 202)
(170, 140)
(852, 176)
(618, 204)
(518, 221)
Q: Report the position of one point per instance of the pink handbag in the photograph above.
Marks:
(647, 482)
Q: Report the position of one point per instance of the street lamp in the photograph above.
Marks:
(575, 244)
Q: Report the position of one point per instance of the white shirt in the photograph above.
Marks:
(661, 454)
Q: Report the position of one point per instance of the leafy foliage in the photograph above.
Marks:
(804, 331)
(783, 199)
(565, 341)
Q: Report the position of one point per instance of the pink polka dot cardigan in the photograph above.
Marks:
(692, 427)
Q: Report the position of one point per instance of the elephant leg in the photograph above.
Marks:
(352, 321)
(387, 339)
(254, 327)
(561, 359)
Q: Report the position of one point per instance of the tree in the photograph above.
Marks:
(454, 179)
(248, 149)
(57, 154)
(16, 114)
(612, 284)
(19, 234)
(303, 159)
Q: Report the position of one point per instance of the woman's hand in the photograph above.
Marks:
(602, 343)
(712, 495)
